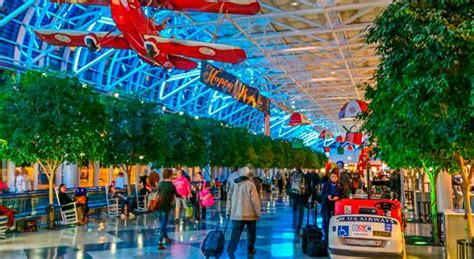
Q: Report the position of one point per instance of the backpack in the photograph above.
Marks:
(298, 184)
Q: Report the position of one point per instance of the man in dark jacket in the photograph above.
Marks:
(344, 179)
(299, 190)
(395, 184)
(166, 193)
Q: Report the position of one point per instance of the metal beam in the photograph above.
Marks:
(302, 12)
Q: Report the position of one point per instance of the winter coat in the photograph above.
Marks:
(346, 184)
(167, 192)
(330, 190)
(230, 180)
(243, 201)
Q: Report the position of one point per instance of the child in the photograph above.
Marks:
(331, 193)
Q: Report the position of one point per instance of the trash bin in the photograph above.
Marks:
(464, 249)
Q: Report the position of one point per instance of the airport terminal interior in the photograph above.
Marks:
(236, 129)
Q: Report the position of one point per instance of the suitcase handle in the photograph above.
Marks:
(315, 214)
(226, 223)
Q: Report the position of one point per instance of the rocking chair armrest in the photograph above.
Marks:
(69, 204)
(114, 200)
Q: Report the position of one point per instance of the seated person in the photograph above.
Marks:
(82, 203)
(4, 187)
(123, 202)
(64, 199)
(142, 193)
(10, 213)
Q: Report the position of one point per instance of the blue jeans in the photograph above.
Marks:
(327, 210)
(164, 215)
(237, 228)
(298, 214)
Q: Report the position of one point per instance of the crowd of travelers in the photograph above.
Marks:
(172, 194)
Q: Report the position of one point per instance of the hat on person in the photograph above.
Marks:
(245, 171)
(81, 191)
(340, 162)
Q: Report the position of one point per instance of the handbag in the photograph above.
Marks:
(189, 212)
(154, 201)
(188, 203)
(207, 199)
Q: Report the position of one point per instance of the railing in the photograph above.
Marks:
(35, 202)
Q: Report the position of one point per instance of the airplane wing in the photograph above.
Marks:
(182, 63)
(199, 50)
(84, 2)
(70, 38)
(210, 6)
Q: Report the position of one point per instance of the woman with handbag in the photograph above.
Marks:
(165, 196)
(200, 191)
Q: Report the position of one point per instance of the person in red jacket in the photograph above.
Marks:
(4, 187)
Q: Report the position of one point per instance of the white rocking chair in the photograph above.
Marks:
(68, 211)
(3, 226)
(113, 206)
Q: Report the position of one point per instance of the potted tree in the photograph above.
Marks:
(48, 118)
(419, 104)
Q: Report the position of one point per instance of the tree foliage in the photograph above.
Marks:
(421, 106)
(50, 118)
(57, 119)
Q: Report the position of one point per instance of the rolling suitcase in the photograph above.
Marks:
(213, 244)
(312, 238)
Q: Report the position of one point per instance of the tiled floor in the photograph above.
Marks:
(107, 237)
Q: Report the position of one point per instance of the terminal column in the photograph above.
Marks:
(70, 178)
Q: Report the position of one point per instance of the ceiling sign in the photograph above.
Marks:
(229, 84)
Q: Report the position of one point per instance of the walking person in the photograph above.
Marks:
(200, 211)
(230, 180)
(331, 193)
(244, 209)
(279, 178)
(166, 193)
(299, 190)
(183, 187)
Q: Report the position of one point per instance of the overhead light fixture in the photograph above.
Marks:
(295, 4)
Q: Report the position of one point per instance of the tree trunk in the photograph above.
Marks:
(467, 209)
(466, 184)
(128, 171)
(50, 168)
(51, 189)
(434, 208)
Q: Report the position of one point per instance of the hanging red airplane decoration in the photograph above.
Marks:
(141, 34)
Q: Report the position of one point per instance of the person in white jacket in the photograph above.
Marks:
(20, 183)
(244, 209)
